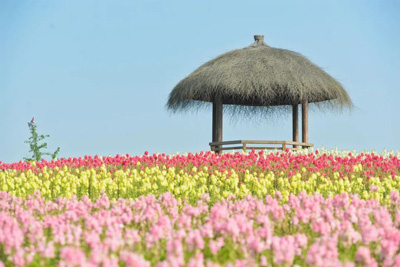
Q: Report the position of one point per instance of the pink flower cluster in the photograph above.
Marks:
(308, 230)
(373, 165)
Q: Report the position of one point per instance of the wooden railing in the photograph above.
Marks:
(255, 144)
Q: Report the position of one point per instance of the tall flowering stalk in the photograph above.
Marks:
(35, 146)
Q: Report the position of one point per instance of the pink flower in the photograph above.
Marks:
(18, 258)
(244, 263)
(110, 262)
(197, 261)
(73, 256)
(397, 218)
(215, 246)
(363, 257)
(48, 251)
(133, 260)
(323, 253)
(278, 195)
(194, 239)
(373, 188)
(284, 249)
(263, 261)
(255, 244)
(173, 260)
(396, 260)
(174, 246)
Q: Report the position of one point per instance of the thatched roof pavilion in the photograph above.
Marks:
(258, 78)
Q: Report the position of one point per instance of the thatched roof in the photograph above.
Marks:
(258, 76)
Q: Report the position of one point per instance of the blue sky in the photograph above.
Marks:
(96, 74)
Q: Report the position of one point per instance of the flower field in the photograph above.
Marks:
(258, 209)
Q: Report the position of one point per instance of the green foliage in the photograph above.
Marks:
(35, 147)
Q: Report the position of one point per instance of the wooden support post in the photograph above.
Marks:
(304, 114)
(295, 120)
(217, 123)
(244, 147)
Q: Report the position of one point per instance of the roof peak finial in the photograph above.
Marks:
(258, 37)
(259, 41)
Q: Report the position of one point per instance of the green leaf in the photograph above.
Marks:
(35, 148)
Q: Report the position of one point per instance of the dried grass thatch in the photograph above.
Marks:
(258, 78)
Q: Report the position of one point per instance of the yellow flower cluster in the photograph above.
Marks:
(134, 182)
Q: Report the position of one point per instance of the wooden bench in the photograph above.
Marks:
(255, 144)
